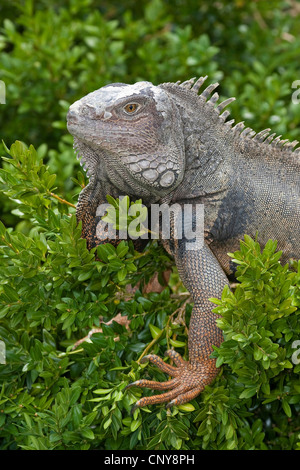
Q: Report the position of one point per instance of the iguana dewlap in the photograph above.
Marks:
(168, 144)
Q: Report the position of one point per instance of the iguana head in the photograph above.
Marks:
(134, 132)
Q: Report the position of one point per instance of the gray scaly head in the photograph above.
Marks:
(134, 134)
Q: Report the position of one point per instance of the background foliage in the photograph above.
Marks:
(55, 396)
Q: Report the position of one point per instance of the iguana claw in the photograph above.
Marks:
(189, 380)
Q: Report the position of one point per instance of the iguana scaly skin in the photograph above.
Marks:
(167, 143)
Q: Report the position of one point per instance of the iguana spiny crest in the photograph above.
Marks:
(140, 132)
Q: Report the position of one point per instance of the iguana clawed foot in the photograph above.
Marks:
(189, 380)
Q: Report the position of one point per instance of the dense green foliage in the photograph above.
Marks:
(53, 292)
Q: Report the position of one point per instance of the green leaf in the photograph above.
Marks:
(135, 424)
(107, 423)
(188, 407)
(258, 353)
(155, 331)
(102, 391)
(248, 392)
(240, 338)
(229, 432)
(177, 344)
(122, 249)
(88, 434)
(122, 274)
(286, 407)
(85, 276)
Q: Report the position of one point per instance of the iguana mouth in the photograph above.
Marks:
(83, 155)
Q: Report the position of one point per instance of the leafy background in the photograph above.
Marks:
(58, 392)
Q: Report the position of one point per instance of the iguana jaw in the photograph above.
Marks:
(96, 167)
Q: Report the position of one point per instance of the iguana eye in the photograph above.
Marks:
(131, 108)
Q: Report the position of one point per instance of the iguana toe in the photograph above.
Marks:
(188, 382)
(157, 361)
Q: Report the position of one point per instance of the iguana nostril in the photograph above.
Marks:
(95, 112)
(88, 110)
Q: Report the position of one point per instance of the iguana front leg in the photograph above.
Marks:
(92, 204)
(204, 278)
(90, 198)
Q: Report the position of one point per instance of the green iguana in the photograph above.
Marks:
(168, 144)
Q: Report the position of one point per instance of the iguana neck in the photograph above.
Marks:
(207, 146)
(214, 148)
(101, 175)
